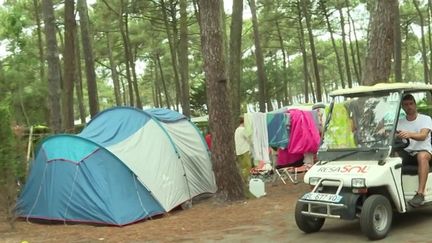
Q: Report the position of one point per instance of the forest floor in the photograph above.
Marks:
(266, 219)
(207, 221)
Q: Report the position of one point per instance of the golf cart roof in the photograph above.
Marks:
(382, 87)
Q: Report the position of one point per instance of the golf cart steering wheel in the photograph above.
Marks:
(400, 143)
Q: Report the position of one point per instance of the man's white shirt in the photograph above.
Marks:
(421, 121)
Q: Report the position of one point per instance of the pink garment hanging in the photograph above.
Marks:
(304, 138)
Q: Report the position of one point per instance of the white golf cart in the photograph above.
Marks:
(358, 173)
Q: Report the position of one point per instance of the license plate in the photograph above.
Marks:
(316, 196)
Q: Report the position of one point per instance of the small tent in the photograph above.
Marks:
(125, 166)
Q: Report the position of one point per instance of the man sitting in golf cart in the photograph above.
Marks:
(416, 127)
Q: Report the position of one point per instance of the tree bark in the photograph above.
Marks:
(69, 66)
(330, 30)
(78, 81)
(345, 49)
(167, 97)
(286, 86)
(318, 90)
(235, 59)
(40, 41)
(230, 186)
(138, 102)
(351, 44)
(126, 55)
(183, 59)
(172, 38)
(304, 53)
(262, 78)
(114, 73)
(88, 58)
(357, 64)
(406, 52)
(380, 44)
(54, 80)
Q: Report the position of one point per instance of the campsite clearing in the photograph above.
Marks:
(266, 219)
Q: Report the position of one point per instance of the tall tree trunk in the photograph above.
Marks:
(172, 39)
(380, 43)
(357, 48)
(154, 84)
(235, 59)
(311, 85)
(345, 49)
(40, 41)
(262, 78)
(126, 54)
(167, 97)
(351, 43)
(175, 35)
(114, 73)
(406, 51)
(303, 51)
(225, 35)
(313, 52)
(353, 53)
(78, 81)
(69, 66)
(397, 45)
(423, 44)
(330, 30)
(157, 82)
(138, 102)
(183, 59)
(358, 65)
(54, 80)
(88, 58)
(228, 179)
(286, 87)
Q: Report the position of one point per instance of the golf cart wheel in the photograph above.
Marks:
(307, 224)
(376, 217)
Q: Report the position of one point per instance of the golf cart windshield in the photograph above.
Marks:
(360, 126)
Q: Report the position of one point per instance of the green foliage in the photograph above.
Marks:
(11, 155)
(21, 82)
(198, 99)
(12, 167)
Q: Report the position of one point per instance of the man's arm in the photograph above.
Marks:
(418, 136)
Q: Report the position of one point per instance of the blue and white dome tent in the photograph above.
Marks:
(125, 166)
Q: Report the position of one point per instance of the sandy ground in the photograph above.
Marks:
(266, 219)
(208, 220)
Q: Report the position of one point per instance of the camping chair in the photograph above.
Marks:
(271, 171)
(291, 171)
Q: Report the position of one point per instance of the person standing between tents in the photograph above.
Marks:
(242, 147)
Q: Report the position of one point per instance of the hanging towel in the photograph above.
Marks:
(277, 124)
(260, 137)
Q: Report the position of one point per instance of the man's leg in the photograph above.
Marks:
(423, 159)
